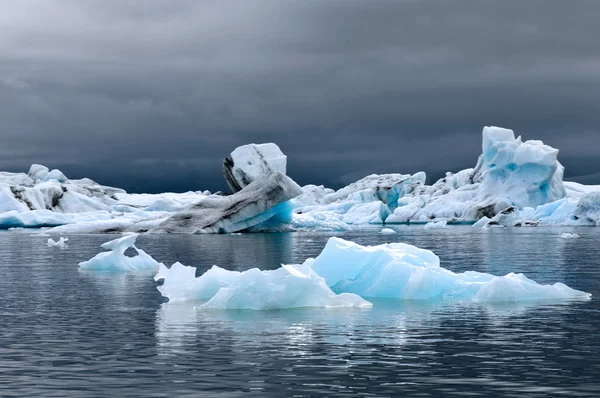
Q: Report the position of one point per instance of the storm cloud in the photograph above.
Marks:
(150, 96)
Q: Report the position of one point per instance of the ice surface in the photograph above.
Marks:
(436, 224)
(116, 261)
(33, 219)
(387, 231)
(384, 187)
(61, 243)
(252, 162)
(399, 270)
(588, 208)
(253, 205)
(513, 183)
(291, 286)
(509, 173)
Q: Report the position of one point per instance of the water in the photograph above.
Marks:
(67, 333)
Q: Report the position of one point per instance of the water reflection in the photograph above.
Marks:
(64, 332)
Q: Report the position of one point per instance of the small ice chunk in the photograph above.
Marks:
(290, 286)
(482, 222)
(569, 235)
(387, 231)
(436, 224)
(61, 243)
(116, 261)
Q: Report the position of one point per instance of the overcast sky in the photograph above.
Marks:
(151, 95)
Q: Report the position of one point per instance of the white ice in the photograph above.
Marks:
(115, 260)
(436, 224)
(513, 183)
(253, 162)
(290, 286)
(61, 243)
(569, 235)
(387, 231)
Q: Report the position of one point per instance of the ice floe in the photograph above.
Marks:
(569, 235)
(291, 286)
(115, 260)
(61, 243)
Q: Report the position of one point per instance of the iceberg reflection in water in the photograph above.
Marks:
(66, 332)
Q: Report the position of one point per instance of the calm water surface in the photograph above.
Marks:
(68, 333)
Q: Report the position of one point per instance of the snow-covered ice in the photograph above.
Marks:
(115, 260)
(290, 286)
(61, 243)
(387, 231)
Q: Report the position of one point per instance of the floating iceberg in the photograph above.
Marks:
(510, 173)
(260, 201)
(402, 271)
(344, 274)
(291, 286)
(61, 243)
(116, 261)
(387, 231)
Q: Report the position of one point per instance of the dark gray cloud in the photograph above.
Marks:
(151, 96)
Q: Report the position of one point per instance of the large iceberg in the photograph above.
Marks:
(258, 202)
(116, 260)
(344, 274)
(402, 271)
(510, 174)
(252, 162)
(291, 286)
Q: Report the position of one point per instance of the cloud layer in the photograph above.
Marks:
(151, 96)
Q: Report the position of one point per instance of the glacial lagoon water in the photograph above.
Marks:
(69, 333)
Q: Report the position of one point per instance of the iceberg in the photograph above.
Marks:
(252, 162)
(344, 275)
(61, 243)
(403, 271)
(436, 224)
(290, 286)
(588, 208)
(115, 260)
(387, 231)
(258, 202)
(509, 173)
(513, 183)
